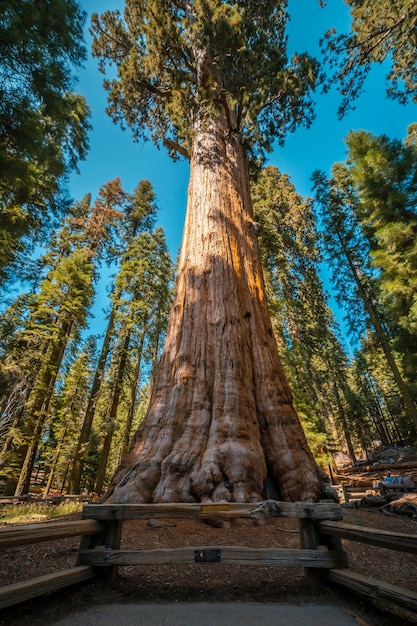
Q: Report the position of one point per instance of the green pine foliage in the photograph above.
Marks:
(142, 299)
(380, 32)
(43, 123)
(386, 419)
(384, 172)
(346, 250)
(368, 213)
(303, 323)
(140, 302)
(54, 316)
(68, 406)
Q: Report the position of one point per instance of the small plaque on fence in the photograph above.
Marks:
(207, 556)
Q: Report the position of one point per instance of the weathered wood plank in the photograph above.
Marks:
(35, 533)
(234, 555)
(307, 527)
(6, 499)
(22, 591)
(374, 588)
(376, 537)
(303, 510)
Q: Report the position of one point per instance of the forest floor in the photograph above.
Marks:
(217, 582)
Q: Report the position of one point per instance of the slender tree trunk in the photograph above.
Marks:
(403, 389)
(81, 449)
(105, 453)
(342, 418)
(40, 407)
(133, 392)
(27, 385)
(220, 417)
(54, 464)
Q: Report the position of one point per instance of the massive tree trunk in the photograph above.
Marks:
(220, 425)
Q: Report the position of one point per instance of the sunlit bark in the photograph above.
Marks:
(220, 419)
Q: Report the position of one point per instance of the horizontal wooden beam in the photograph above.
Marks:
(377, 589)
(35, 533)
(6, 499)
(303, 510)
(22, 591)
(376, 537)
(234, 555)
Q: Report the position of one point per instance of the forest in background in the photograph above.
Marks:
(71, 401)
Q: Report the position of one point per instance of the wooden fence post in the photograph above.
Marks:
(315, 577)
(113, 539)
(109, 538)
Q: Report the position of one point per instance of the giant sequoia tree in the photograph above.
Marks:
(211, 80)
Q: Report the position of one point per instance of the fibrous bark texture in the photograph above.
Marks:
(220, 425)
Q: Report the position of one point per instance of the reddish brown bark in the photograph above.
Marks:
(220, 418)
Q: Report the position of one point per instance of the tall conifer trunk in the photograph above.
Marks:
(220, 419)
(39, 409)
(81, 450)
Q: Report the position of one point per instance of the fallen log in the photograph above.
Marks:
(405, 505)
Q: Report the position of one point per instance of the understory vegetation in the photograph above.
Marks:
(36, 512)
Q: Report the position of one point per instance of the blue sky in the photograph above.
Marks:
(113, 152)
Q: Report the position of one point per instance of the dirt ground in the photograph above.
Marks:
(212, 582)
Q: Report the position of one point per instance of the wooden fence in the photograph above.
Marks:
(308, 556)
(349, 493)
(321, 552)
(36, 533)
(366, 585)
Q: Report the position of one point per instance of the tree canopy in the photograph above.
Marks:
(171, 56)
(43, 122)
(384, 31)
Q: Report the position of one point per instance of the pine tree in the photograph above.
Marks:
(43, 123)
(312, 354)
(385, 419)
(58, 311)
(141, 284)
(139, 216)
(349, 246)
(64, 296)
(384, 172)
(380, 32)
(69, 406)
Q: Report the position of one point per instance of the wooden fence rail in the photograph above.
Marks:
(376, 589)
(234, 555)
(36, 533)
(52, 499)
(376, 537)
(321, 554)
(299, 510)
